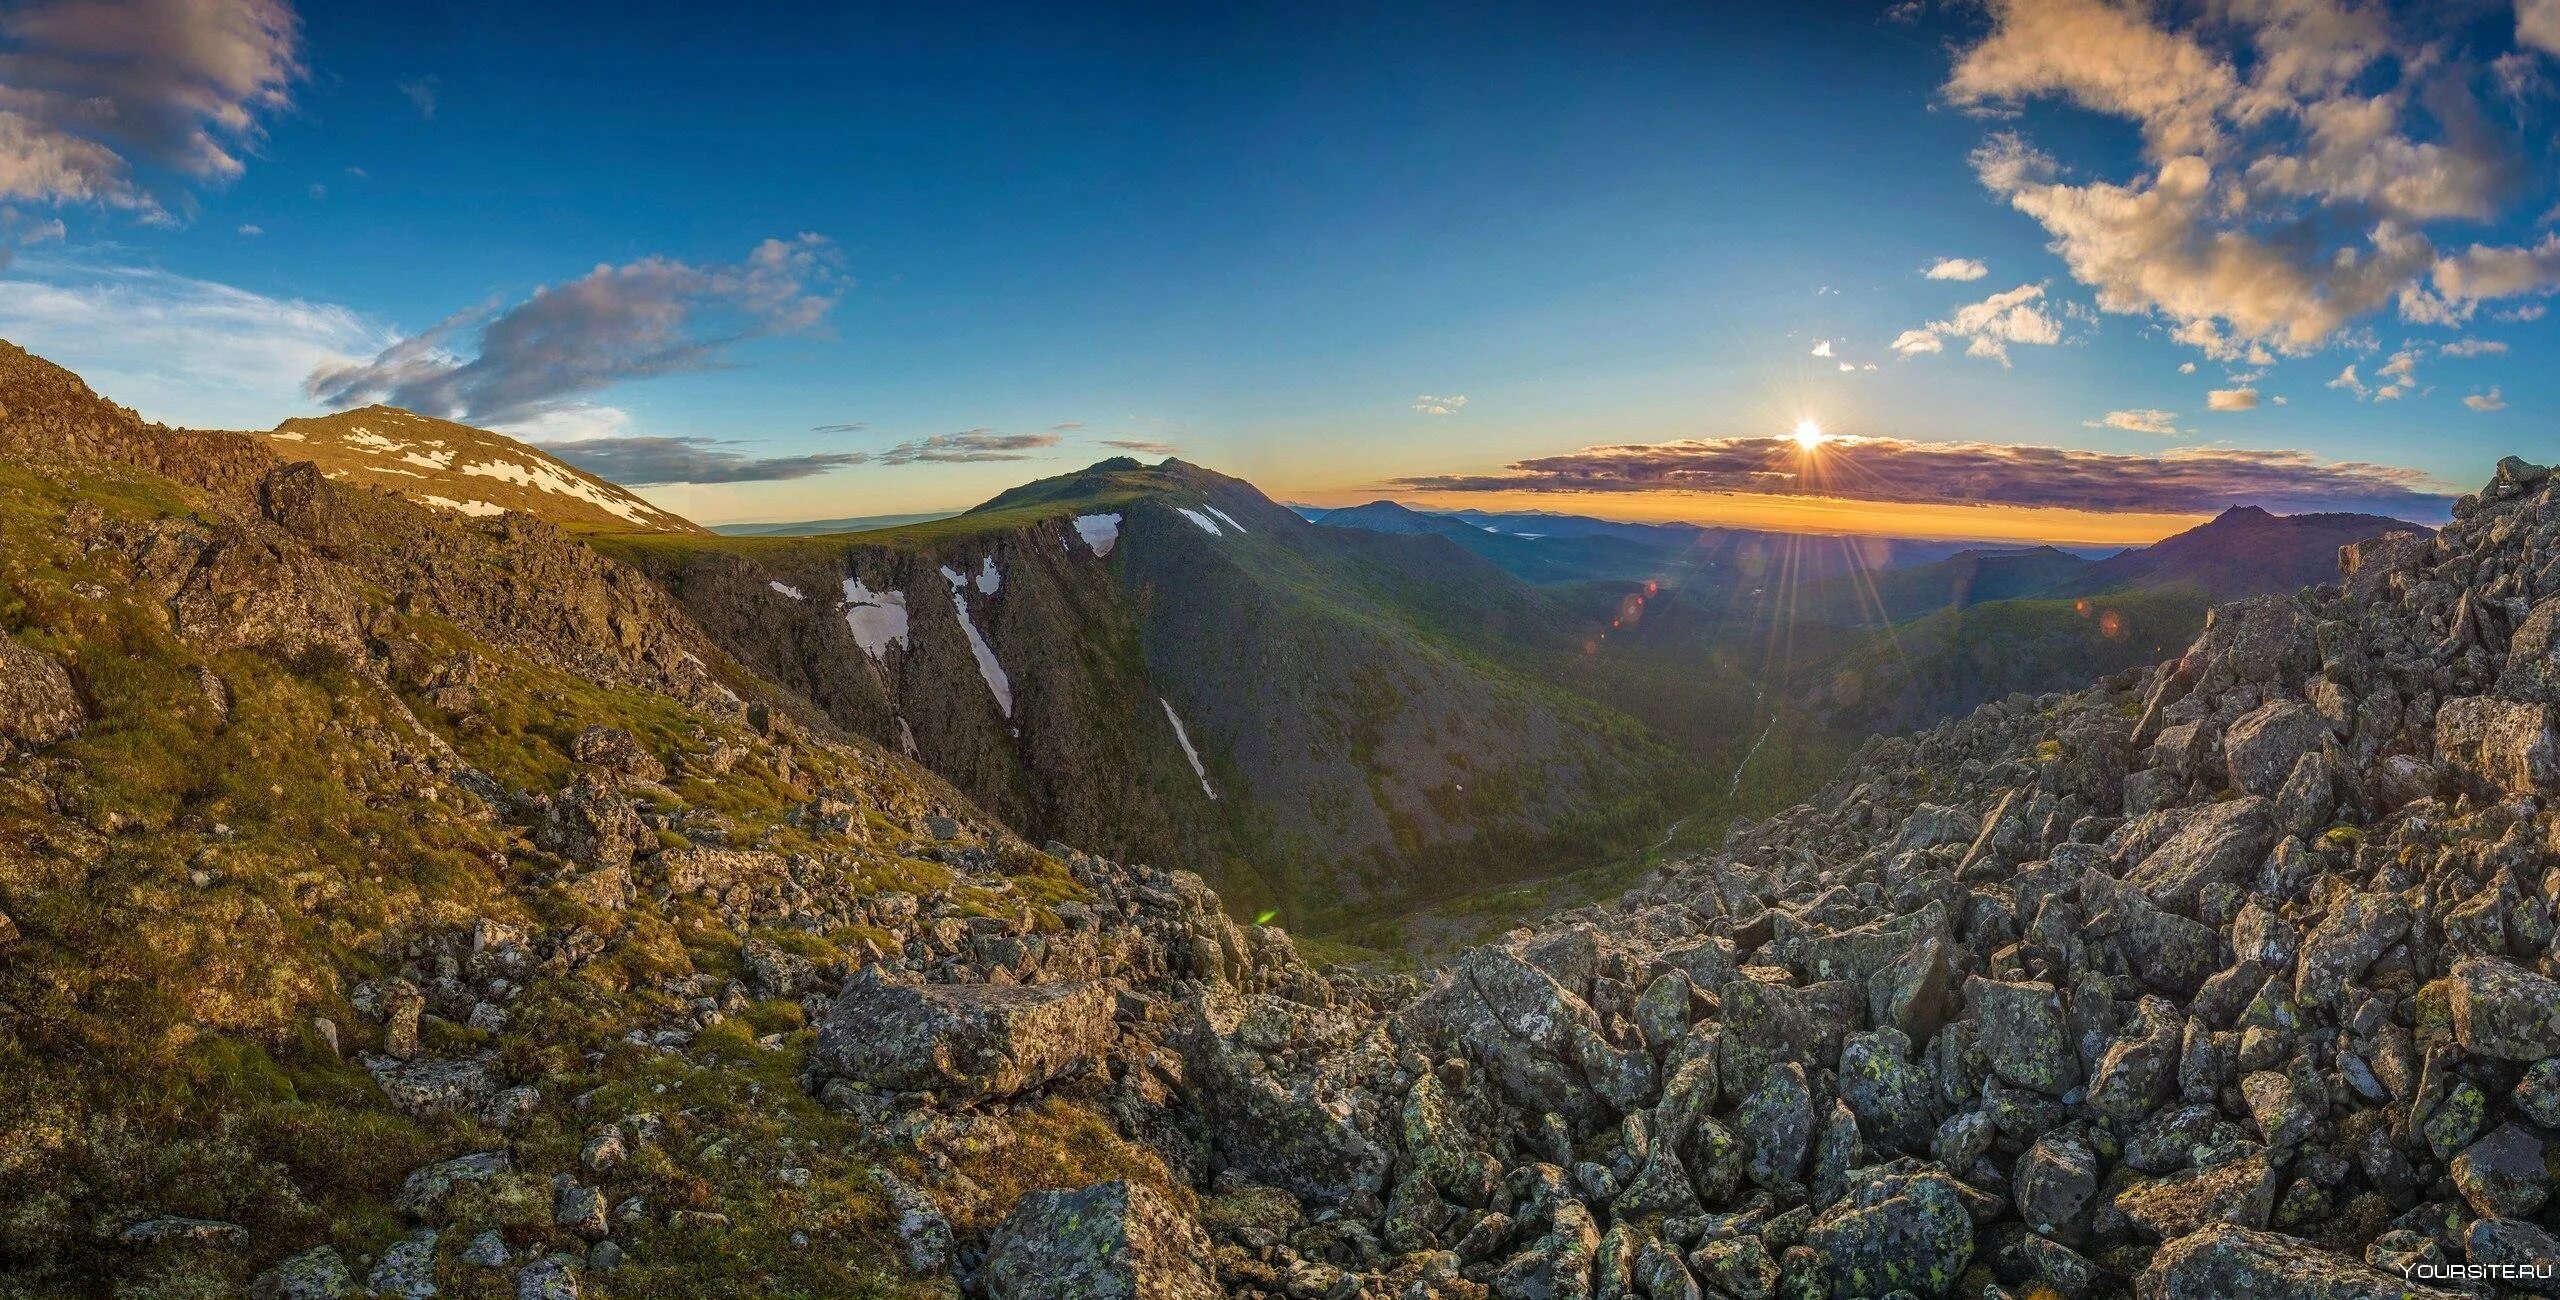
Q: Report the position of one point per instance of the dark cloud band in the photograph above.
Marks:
(2183, 481)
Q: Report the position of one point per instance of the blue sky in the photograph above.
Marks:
(1265, 236)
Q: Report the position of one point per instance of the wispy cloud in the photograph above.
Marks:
(2472, 348)
(421, 94)
(92, 90)
(1956, 268)
(966, 447)
(2488, 401)
(656, 316)
(2184, 481)
(848, 426)
(180, 350)
(1141, 446)
(2140, 420)
(1429, 405)
(656, 461)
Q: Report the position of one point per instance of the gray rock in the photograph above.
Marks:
(552, 1277)
(2262, 748)
(1776, 1126)
(2502, 1011)
(38, 705)
(423, 1193)
(963, 1042)
(1111, 1241)
(2506, 1174)
(407, 1269)
(2215, 843)
(315, 1274)
(921, 1227)
(2055, 1182)
(2498, 746)
(2023, 1034)
(2222, 1261)
(1895, 1232)
(170, 1229)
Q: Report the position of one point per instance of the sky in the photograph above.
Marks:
(2057, 269)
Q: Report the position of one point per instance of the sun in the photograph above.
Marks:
(1809, 435)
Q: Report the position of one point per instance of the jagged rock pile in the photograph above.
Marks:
(2231, 977)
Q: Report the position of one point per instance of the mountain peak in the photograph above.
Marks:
(2242, 515)
(461, 468)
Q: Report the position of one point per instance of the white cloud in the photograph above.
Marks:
(2350, 382)
(183, 351)
(2186, 367)
(1957, 268)
(1822, 347)
(2538, 25)
(92, 89)
(2296, 153)
(252, 232)
(2488, 401)
(2139, 420)
(1430, 405)
(1989, 326)
(2231, 399)
(2471, 348)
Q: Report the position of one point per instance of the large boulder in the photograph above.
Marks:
(1111, 1241)
(1895, 1232)
(963, 1041)
(2504, 1011)
(2222, 1260)
(37, 703)
(2497, 745)
(2217, 843)
(2262, 747)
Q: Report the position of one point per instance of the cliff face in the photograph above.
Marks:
(1164, 663)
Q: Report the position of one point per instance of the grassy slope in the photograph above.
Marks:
(195, 888)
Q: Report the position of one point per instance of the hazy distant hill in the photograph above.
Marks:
(2244, 551)
(821, 527)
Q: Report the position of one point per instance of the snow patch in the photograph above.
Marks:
(988, 578)
(787, 589)
(878, 618)
(1231, 519)
(988, 667)
(1203, 520)
(544, 478)
(475, 509)
(1183, 735)
(1101, 532)
(286, 435)
(906, 736)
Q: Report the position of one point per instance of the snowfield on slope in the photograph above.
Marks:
(1101, 532)
(988, 667)
(1183, 735)
(878, 618)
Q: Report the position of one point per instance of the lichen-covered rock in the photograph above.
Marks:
(2224, 1261)
(1111, 1241)
(2503, 1011)
(961, 1041)
(2023, 1034)
(1895, 1232)
(316, 1274)
(38, 705)
(2498, 745)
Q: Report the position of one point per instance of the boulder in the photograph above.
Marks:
(1111, 1241)
(316, 1274)
(2216, 843)
(2023, 1034)
(2498, 746)
(2504, 1011)
(38, 705)
(1895, 1231)
(965, 1042)
(2262, 748)
(2222, 1260)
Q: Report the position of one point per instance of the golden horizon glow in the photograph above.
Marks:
(1835, 516)
(1809, 434)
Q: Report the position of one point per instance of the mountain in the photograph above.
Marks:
(1580, 557)
(1163, 664)
(2244, 551)
(821, 527)
(459, 468)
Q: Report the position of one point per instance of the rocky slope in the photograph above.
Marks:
(466, 470)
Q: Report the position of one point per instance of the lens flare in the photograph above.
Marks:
(1809, 435)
